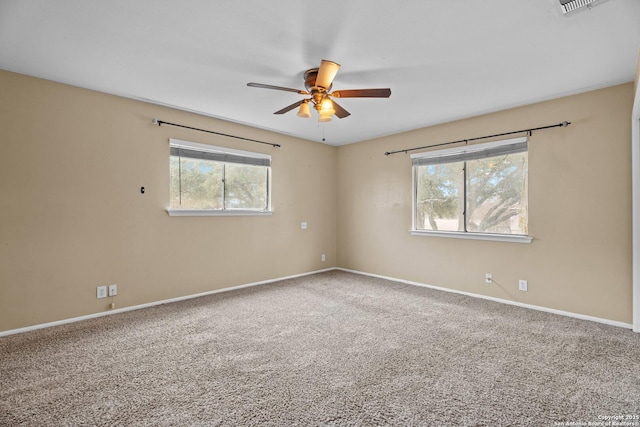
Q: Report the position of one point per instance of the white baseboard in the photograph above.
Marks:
(264, 282)
(503, 301)
(151, 304)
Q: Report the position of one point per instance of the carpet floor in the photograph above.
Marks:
(330, 349)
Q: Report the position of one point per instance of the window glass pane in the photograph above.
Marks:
(196, 184)
(174, 182)
(245, 186)
(439, 204)
(497, 194)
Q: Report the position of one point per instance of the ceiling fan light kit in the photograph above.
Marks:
(304, 110)
(318, 83)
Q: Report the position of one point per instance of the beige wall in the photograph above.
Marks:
(579, 210)
(72, 216)
(636, 80)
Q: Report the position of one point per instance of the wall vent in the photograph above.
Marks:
(571, 5)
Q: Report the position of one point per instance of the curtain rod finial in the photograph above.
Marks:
(155, 121)
(565, 124)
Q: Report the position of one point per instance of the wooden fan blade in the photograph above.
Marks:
(326, 73)
(362, 93)
(340, 112)
(287, 89)
(290, 107)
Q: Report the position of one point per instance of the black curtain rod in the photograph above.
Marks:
(406, 150)
(160, 122)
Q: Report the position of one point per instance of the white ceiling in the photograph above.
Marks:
(443, 60)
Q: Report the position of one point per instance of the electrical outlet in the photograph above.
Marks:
(101, 292)
(324, 258)
(113, 290)
(488, 278)
(303, 226)
(523, 285)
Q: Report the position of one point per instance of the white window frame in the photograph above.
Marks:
(177, 143)
(459, 151)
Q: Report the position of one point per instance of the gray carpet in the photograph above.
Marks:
(334, 349)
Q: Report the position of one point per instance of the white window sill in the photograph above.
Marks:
(514, 238)
(215, 212)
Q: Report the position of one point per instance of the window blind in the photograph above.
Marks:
(471, 152)
(209, 152)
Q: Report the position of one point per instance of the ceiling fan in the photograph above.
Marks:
(318, 82)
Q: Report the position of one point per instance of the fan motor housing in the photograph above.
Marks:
(310, 77)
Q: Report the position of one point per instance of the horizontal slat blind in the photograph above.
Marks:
(471, 152)
(194, 150)
(219, 157)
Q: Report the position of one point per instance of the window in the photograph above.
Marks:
(479, 191)
(209, 180)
